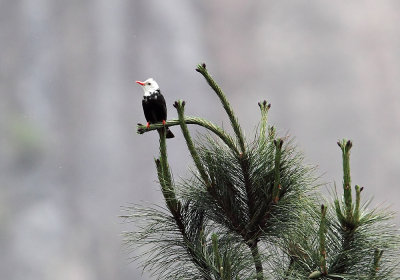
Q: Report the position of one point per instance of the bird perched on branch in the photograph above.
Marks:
(154, 107)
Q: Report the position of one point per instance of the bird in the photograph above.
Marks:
(154, 107)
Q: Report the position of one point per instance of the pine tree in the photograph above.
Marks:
(251, 210)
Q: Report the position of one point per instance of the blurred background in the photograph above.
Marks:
(69, 153)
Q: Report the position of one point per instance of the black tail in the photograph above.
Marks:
(169, 133)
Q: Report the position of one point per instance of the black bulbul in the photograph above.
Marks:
(154, 107)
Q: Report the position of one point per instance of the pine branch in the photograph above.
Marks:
(192, 120)
(180, 107)
(245, 167)
(164, 176)
(264, 108)
(375, 265)
(322, 241)
(176, 209)
(322, 232)
(349, 219)
(277, 182)
(345, 146)
(358, 201)
(201, 68)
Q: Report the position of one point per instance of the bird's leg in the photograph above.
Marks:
(148, 125)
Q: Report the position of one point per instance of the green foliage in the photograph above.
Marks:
(250, 211)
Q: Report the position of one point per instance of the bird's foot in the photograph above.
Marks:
(163, 122)
(148, 125)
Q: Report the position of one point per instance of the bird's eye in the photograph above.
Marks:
(149, 84)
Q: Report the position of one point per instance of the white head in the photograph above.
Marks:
(149, 86)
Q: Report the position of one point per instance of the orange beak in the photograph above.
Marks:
(140, 83)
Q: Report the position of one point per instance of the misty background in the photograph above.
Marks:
(69, 153)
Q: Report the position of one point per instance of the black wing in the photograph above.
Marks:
(163, 107)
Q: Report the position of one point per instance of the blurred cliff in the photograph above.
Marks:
(69, 153)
